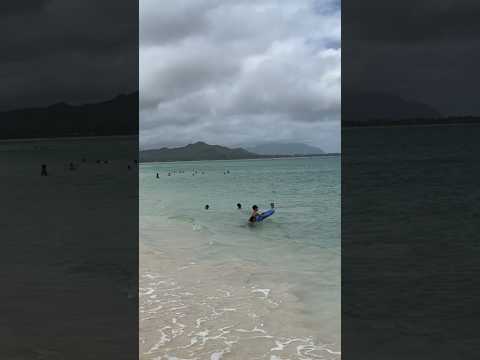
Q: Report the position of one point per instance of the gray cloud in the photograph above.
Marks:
(238, 72)
(422, 50)
(65, 50)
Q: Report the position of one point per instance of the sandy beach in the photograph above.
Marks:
(191, 309)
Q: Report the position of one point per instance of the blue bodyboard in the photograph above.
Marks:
(264, 215)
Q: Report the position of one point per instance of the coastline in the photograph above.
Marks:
(257, 158)
(195, 307)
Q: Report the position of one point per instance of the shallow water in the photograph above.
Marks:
(213, 287)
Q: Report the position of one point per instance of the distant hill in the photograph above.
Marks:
(196, 151)
(118, 116)
(285, 149)
(374, 106)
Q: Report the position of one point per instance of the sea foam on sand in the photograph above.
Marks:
(198, 308)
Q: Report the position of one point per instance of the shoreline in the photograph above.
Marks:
(60, 138)
(258, 159)
(196, 306)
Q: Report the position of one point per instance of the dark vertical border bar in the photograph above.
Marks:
(69, 180)
(410, 129)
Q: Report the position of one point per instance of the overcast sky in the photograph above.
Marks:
(67, 50)
(240, 72)
(422, 50)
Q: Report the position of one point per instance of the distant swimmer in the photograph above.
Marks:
(207, 207)
(43, 172)
(158, 176)
(239, 206)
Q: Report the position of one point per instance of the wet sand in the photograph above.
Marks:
(194, 308)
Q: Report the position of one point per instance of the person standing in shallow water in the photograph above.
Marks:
(253, 216)
(158, 176)
(43, 172)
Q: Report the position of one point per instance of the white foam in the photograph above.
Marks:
(226, 292)
(216, 355)
(228, 309)
(148, 291)
(265, 292)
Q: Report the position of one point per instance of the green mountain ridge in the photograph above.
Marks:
(203, 151)
(285, 148)
(196, 151)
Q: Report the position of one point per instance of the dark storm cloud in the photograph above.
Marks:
(234, 72)
(412, 21)
(72, 51)
(9, 8)
(420, 50)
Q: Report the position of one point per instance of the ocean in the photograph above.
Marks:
(69, 248)
(410, 247)
(214, 287)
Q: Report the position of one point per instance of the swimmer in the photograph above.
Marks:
(253, 216)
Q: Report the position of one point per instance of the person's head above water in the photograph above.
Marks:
(239, 206)
(255, 207)
(207, 207)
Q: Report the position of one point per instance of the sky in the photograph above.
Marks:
(240, 72)
(422, 50)
(67, 51)
(237, 72)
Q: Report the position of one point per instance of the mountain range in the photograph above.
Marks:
(203, 151)
(196, 151)
(374, 106)
(274, 148)
(118, 116)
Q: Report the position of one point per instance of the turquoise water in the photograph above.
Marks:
(298, 245)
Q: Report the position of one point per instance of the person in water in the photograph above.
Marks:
(253, 216)
(207, 207)
(239, 206)
(255, 212)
